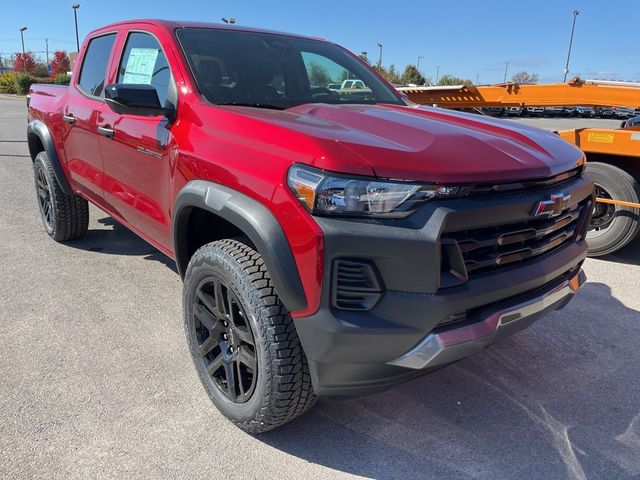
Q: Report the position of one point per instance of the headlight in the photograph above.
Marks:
(324, 193)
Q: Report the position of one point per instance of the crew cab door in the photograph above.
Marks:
(81, 113)
(136, 149)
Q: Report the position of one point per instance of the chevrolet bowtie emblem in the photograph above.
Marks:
(552, 207)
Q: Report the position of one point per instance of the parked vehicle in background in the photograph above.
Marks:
(624, 112)
(631, 123)
(552, 111)
(568, 111)
(330, 243)
(513, 111)
(493, 111)
(605, 112)
(534, 111)
(334, 86)
(584, 111)
(353, 84)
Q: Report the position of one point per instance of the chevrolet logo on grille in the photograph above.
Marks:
(552, 207)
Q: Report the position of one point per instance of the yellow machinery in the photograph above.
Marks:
(613, 155)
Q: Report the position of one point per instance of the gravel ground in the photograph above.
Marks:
(96, 381)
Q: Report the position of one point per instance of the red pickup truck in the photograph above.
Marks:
(330, 242)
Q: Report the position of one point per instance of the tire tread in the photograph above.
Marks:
(289, 392)
(71, 212)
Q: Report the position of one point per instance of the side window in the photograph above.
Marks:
(94, 65)
(144, 62)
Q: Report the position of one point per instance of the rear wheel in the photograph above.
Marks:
(612, 226)
(64, 217)
(242, 339)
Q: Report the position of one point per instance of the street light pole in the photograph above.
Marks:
(418, 64)
(75, 7)
(573, 28)
(437, 73)
(380, 56)
(477, 78)
(24, 65)
(506, 67)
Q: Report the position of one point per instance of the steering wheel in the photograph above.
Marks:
(321, 91)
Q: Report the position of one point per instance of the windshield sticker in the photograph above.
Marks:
(140, 65)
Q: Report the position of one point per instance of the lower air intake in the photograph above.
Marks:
(355, 285)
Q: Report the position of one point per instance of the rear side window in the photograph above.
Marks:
(144, 62)
(94, 65)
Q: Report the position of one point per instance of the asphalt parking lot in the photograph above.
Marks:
(96, 381)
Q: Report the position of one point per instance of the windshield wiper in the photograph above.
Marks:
(254, 105)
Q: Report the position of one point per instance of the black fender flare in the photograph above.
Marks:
(38, 130)
(254, 220)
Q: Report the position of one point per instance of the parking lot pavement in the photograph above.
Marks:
(96, 381)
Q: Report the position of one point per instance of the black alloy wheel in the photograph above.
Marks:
(225, 341)
(65, 216)
(242, 339)
(45, 202)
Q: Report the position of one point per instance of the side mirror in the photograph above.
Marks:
(135, 99)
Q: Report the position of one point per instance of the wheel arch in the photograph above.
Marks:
(39, 140)
(233, 213)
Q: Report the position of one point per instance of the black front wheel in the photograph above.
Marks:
(242, 339)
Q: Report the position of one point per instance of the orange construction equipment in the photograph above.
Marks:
(613, 155)
(575, 92)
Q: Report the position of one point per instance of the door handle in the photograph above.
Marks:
(70, 119)
(106, 131)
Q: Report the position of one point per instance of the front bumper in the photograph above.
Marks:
(408, 331)
(443, 347)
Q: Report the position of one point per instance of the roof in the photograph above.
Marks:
(173, 24)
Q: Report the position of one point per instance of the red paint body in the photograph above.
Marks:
(250, 150)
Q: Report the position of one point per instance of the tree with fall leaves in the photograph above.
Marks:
(60, 63)
(24, 63)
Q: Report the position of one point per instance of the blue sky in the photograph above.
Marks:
(465, 38)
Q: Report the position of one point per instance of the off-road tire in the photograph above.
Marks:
(625, 224)
(64, 217)
(283, 389)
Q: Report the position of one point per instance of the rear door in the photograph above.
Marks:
(84, 106)
(136, 149)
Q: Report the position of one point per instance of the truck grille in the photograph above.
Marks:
(488, 249)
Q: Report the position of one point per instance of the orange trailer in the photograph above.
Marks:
(613, 155)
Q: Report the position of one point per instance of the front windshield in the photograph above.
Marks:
(233, 67)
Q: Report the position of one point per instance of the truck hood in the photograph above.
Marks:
(430, 144)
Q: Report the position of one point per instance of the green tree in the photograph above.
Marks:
(412, 75)
(24, 82)
(41, 70)
(318, 75)
(448, 79)
(380, 69)
(344, 75)
(525, 77)
(392, 75)
(364, 58)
